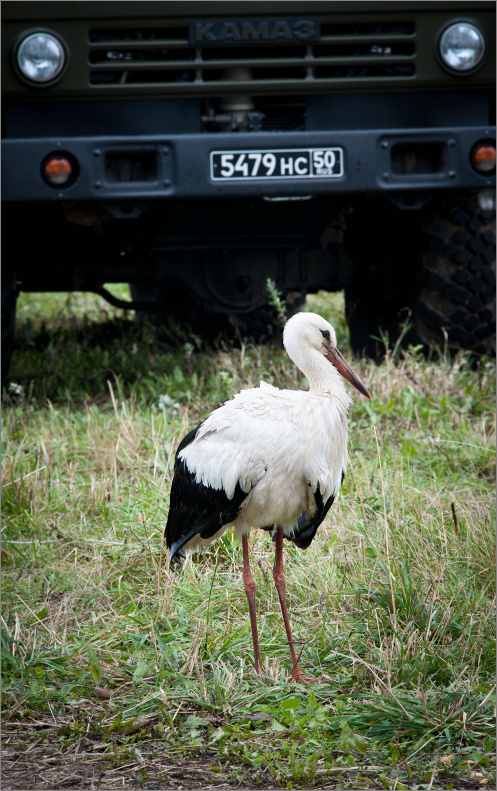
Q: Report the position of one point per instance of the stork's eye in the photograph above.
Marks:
(325, 334)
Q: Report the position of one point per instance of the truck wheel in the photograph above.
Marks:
(456, 306)
(9, 298)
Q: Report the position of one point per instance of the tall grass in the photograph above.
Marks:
(107, 655)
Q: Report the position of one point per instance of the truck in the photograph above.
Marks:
(196, 149)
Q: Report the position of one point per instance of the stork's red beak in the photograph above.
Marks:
(341, 364)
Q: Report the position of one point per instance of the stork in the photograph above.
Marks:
(271, 459)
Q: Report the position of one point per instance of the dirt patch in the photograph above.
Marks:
(23, 772)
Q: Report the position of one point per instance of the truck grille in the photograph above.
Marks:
(347, 53)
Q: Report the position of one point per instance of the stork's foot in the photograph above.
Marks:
(299, 678)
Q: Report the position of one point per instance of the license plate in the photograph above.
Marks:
(299, 163)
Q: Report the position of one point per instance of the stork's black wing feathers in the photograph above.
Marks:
(194, 508)
(307, 528)
(187, 440)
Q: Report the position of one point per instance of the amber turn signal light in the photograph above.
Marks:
(58, 170)
(483, 157)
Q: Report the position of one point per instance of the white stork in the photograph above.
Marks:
(270, 458)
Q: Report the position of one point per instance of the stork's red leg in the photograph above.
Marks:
(279, 581)
(249, 584)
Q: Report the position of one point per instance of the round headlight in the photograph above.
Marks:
(462, 47)
(40, 58)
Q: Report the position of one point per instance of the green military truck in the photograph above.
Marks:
(194, 149)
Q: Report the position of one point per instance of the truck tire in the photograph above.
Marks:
(9, 299)
(435, 266)
(456, 307)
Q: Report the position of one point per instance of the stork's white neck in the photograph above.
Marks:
(322, 376)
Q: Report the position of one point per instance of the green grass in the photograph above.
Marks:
(108, 656)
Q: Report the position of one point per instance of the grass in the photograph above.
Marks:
(116, 672)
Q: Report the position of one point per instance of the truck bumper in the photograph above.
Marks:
(179, 166)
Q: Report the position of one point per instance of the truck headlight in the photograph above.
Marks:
(40, 58)
(462, 47)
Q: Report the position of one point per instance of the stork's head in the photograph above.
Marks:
(305, 332)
